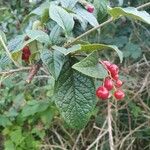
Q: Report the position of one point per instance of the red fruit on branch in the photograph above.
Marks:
(119, 94)
(106, 63)
(108, 84)
(113, 69)
(115, 76)
(102, 93)
(89, 8)
(119, 83)
(26, 53)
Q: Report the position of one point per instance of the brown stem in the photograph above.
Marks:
(35, 68)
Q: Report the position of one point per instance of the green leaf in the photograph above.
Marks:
(87, 16)
(68, 3)
(130, 12)
(101, 8)
(53, 61)
(55, 34)
(4, 121)
(39, 36)
(93, 47)
(62, 17)
(16, 136)
(33, 107)
(9, 145)
(89, 48)
(65, 51)
(3, 36)
(37, 11)
(16, 44)
(74, 96)
(90, 66)
(132, 50)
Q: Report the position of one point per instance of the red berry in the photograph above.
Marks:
(106, 63)
(113, 69)
(26, 50)
(115, 76)
(118, 83)
(119, 94)
(26, 53)
(102, 93)
(90, 8)
(108, 84)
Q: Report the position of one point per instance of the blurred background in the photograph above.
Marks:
(130, 117)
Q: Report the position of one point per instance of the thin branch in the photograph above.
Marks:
(100, 135)
(111, 142)
(89, 31)
(144, 5)
(15, 70)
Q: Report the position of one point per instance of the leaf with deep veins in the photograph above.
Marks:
(74, 96)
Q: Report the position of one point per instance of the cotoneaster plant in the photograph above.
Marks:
(56, 42)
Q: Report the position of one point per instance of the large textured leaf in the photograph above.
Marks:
(53, 61)
(74, 96)
(130, 12)
(68, 3)
(87, 16)
(62, 17)
(90, 66)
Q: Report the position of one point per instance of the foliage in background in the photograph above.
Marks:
(29, 114)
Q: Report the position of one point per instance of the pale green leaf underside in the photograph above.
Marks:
(62, 17)
(74, 96)
(130, 12)
(90, 66)
(53, 61)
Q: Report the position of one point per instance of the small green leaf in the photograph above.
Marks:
(9, 145)
(16, 44)
(33, 107)
(74, 96)
(132, 50)
(4, 121)
(62, 17)
(39, 36)
(55, 34)
(101, 8)
(68, 3)
(65, 51)
(90, 66)
(53, 61)
(130, 12)
(87, 16)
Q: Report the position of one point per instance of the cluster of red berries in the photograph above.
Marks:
(26, 53)
(111, 82)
